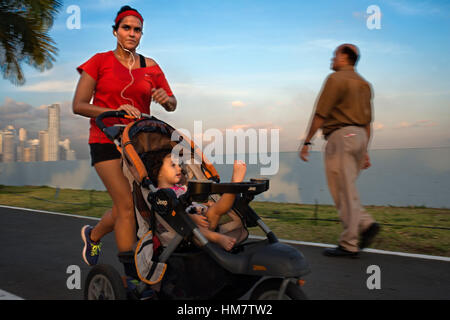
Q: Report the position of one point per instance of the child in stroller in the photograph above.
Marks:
(165, 170)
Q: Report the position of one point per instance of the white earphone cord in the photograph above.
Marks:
(132, 59)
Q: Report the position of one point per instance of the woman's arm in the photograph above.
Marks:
(83, 94)
(159, 95)
(82, 100)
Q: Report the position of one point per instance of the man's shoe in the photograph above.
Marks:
(91, 250)
(339, 252)
(368, 235)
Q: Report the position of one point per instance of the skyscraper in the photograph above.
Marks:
(43, 145)
(8, 147)
(53, 132)
(21, 146)
(22, 134)
(34, 150)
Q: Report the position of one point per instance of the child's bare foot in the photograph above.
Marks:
(239, 169)
(225, 242)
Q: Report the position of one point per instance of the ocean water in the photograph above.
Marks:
(400, 177)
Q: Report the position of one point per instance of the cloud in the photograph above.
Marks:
(374, 47)
(420, 123)
(199, 89)
(105, 4)
(280, 189)
(418, 8)
(238, 103)
(50, 86)
(256, 126)
(377, 126)
(329, 44)
(13, 113)
(12, 107)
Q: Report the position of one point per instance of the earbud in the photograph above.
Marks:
(115, 33)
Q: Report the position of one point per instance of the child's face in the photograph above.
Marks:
(169, 174)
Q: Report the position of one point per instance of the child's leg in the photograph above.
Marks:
(218, 209)
(224, 241)
(224, 204)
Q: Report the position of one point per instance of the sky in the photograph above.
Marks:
(258, 64)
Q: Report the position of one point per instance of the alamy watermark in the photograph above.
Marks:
(74, 20)
(374, 280)
(74, 280)
(374, 19)
(225, 146)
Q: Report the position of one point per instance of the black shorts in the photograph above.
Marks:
(103, 152)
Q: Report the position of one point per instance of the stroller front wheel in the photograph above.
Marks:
(104, 283)
(269, 290)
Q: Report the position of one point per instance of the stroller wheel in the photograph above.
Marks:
(104, 283)
(269, 290)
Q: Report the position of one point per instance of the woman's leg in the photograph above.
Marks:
(105, 226)
(121, 217)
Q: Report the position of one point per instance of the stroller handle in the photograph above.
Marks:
(110, 114)
(113, 132)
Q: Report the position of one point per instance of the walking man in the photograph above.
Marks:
(344, 113)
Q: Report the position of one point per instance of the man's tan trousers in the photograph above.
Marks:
(344, 155)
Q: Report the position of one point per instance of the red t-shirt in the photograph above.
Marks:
(112, 77)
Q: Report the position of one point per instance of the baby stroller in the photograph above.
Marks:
(172, 257)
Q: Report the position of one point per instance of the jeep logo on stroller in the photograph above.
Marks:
(161, 202)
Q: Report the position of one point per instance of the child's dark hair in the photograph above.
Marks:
(123, 9)
(153, 161)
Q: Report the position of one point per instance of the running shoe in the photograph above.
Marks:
(137, 290)
(91, 250)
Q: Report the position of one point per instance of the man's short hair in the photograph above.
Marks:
(351, 54)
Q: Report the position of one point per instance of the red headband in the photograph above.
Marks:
(129, 13)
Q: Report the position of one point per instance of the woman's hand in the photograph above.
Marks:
(160, 96)
(200, 220)
(130, 110)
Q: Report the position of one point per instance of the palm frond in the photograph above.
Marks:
(24, 27)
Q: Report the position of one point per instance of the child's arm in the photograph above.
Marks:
(199, 220)
(227, 199)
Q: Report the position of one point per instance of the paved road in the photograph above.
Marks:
(37, 248)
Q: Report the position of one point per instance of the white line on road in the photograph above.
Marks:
(313, 244)
(4, 295)
(50, 212)
(402, 254)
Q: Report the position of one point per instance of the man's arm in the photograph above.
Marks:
(316, 124)
(368, 128)
(366, 163)
(328, 99)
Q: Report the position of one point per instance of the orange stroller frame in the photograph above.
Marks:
(176, 260)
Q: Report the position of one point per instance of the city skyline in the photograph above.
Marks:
(15, 147)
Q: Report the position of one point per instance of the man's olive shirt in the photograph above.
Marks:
(346, 99)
